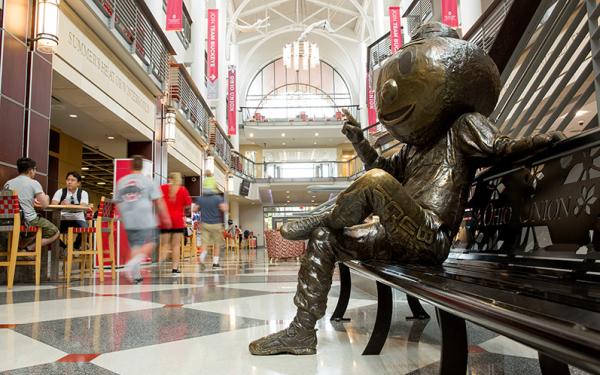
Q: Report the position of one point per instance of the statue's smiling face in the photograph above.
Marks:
(410, 89)
(429, 83)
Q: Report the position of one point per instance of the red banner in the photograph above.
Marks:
(213, 44)
(395, 28)
(174, 15)
(450, 13)
(231, 102)
(372, 112)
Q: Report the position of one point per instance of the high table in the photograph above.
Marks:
(55, 210)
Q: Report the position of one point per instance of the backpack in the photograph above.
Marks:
(64, 195)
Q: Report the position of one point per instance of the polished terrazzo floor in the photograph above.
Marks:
(200, 322)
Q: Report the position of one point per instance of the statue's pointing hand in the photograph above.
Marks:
(352, 129)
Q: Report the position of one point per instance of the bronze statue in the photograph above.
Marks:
(434, 95)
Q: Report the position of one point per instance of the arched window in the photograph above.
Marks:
(278, 93)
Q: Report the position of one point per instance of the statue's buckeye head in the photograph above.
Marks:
(432, 81)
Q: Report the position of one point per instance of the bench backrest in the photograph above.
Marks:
(541, 212)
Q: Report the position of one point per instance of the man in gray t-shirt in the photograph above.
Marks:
(30, 193)
(136, 196)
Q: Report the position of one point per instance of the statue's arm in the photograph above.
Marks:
(505, 146)
(371, 159)
(481, 140)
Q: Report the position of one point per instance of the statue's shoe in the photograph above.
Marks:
(301, 229)
(291, 340)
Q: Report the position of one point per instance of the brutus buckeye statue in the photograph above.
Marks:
(434, 95)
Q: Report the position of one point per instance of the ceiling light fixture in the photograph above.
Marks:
(110, 137)
(283, 134)
(251, 135)
(283, 143)
(72, 115)
(316, 134)
(301, 51)
(101, 183)
(85, 168)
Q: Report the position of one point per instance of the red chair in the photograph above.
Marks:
(10, 221)
(104, 224)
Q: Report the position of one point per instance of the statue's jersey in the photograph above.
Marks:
(438, 178)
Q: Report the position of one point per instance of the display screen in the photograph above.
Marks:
(244, 188)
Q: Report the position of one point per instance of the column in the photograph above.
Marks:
(362, 84)
(469, 11)
(379, 17)
(223, 45)
(198, 13)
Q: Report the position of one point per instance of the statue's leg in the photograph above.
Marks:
(413, 230)
(415, 233)
(314, 282)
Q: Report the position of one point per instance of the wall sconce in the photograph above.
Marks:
(170, 126)
(46, 35)
(209, 165)
(230, 184)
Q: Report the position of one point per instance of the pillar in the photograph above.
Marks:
(25, 94)
(469, 11)
(379, 17)
(198, 13)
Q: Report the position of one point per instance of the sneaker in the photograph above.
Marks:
(216, 266)
(175, 271)
(292, 340)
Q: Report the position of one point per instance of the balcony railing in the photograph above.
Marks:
(141, 34)
(417, 13)
(220, 145)
(186, 97)
(243, 166)
(299, 115)
(485, 30)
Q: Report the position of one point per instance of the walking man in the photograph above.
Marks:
(136, 196)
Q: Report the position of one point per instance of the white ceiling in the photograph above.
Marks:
(295, 136)
(99, 121)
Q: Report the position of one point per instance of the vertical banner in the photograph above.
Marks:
(395, 28)
(450, 13)
(372, 112)
(213, 45)
(231, 102)
(174, 15)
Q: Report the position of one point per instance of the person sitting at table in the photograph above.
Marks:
(72, 194)
(31, 195)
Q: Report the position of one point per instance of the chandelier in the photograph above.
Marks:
(300, 51)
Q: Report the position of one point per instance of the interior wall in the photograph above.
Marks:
(251, 218)
(69, 158)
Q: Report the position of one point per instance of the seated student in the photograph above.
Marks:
(72, 194)
(31, 194)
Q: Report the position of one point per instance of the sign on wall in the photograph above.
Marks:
(450, 13)
(372, 112)
(174, 15)
(213, 45)
(231, 102)
(395, 28)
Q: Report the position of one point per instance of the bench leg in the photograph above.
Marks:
(382, 321)
(418, 312)
(454, 343)
(551, 366)
(345, 286)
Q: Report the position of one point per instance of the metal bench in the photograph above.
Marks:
(526, 264)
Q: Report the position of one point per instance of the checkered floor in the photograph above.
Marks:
(200, 322)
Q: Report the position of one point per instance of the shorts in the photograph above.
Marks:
(48, 229)
(211, 234)
(140, 237)
(173, 230)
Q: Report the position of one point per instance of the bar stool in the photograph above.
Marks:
(86, 262)
(231, 244)
(190, 250)
(10, 222)
(104, 224)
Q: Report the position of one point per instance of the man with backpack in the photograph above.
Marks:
(72, 194)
